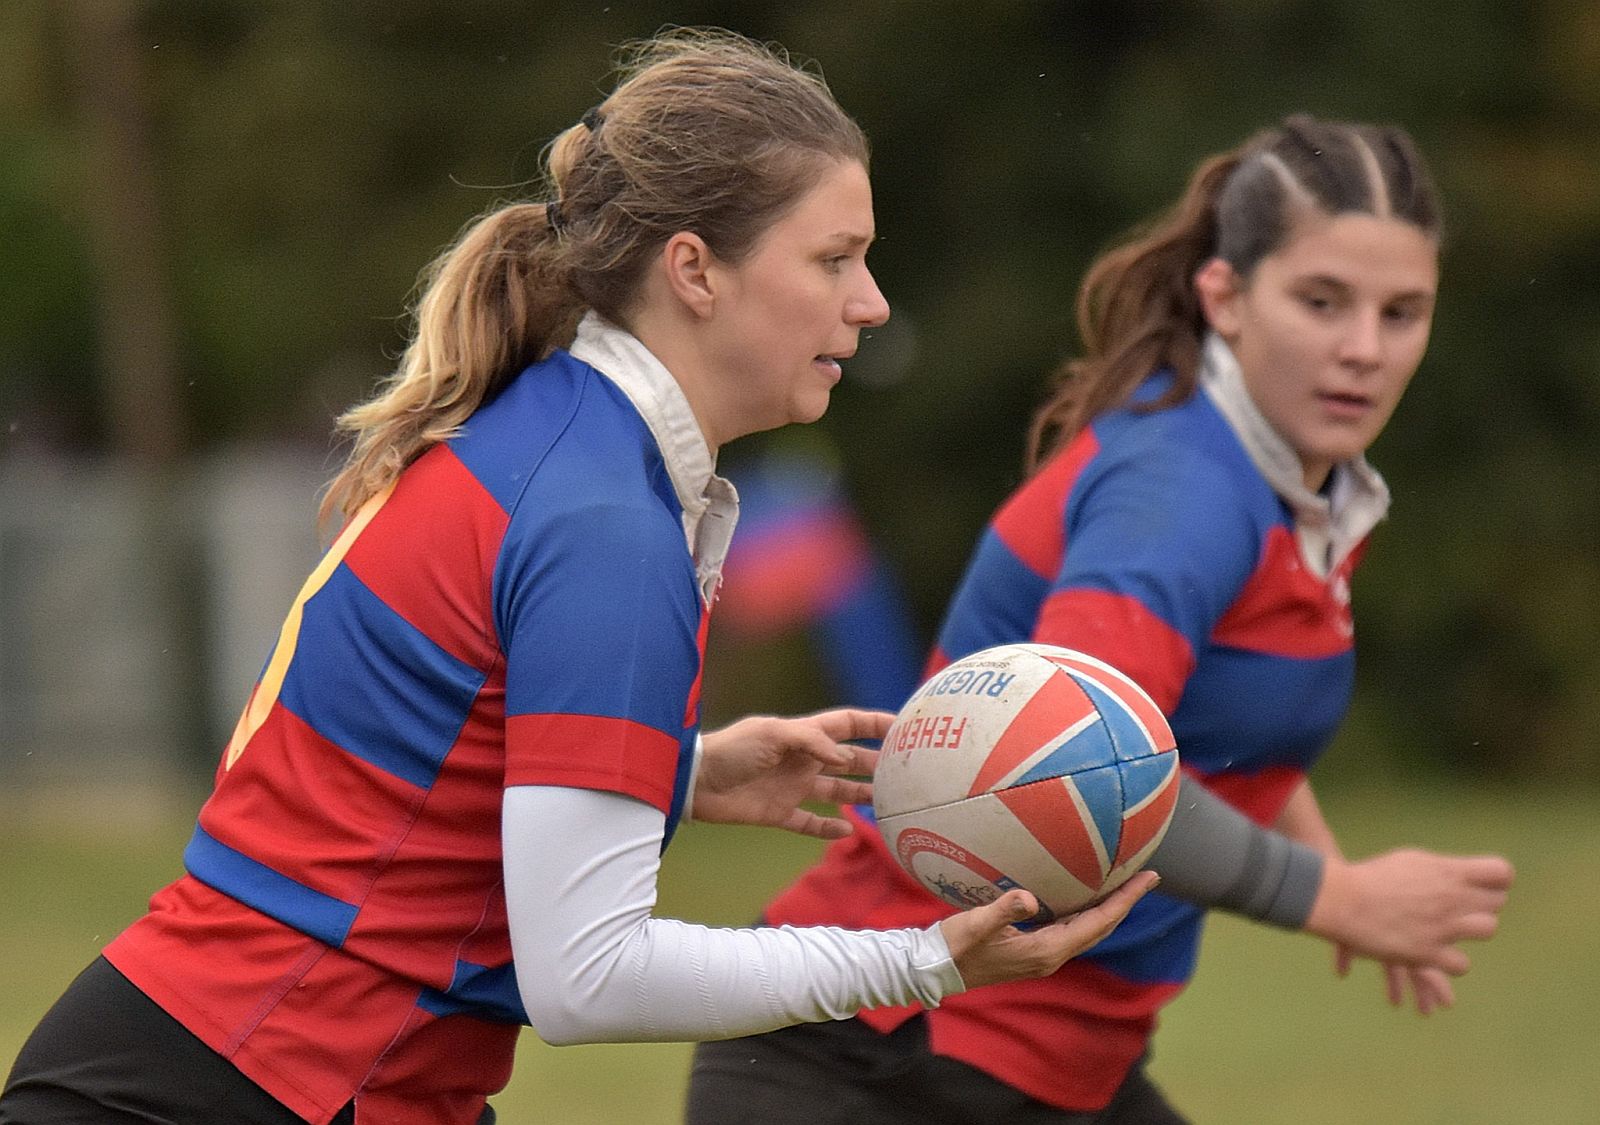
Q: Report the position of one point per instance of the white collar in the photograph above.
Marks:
(1329, 526)
(710, 503)
(620, 357)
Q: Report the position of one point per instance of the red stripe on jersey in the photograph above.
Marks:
(1261, 795)
(305, 984)
(331, 828)
(1040, 543)
(450, 531)
(445, 861)
(1121, 631)
(592, 752)
(1287, 610)
(1070, 1038)
(691, 710)
(406, 1086)
(490, 943)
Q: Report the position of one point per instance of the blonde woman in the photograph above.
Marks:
(443, 809)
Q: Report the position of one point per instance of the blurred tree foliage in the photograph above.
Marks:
(310, 157)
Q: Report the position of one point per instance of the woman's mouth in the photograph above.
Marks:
(829, 364)
(1345, 405)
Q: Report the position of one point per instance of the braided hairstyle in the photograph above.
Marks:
(1137, 307)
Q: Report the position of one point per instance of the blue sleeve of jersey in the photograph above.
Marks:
(599, 614)
(1165, 528)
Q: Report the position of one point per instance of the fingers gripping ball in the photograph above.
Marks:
(1026, 766)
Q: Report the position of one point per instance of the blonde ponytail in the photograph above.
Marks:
(492, 303)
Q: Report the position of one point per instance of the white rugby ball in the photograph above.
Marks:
(1028, 766)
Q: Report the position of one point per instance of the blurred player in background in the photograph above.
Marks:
(804, 562)
(442, 813)
(1198, 501)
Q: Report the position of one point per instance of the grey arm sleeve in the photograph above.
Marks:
(1215, 856)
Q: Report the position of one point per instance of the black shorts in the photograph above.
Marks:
(106, 1054)
(845, 1072)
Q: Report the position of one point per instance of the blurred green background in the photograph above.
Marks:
(1267, 1034)
(213, 214)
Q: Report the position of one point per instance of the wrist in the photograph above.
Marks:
(1331, 906)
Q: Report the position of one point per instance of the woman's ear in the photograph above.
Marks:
(1218, 286)
(688, 265)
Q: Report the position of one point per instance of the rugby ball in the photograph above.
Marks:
(1030, 766)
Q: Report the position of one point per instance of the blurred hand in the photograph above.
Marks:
(1410, 909)
(988, 949)
(1430, 988)
(761, 769)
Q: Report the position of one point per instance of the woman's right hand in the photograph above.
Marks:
(1411, 907)
(988, 949)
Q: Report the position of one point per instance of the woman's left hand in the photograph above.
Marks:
(761, 769)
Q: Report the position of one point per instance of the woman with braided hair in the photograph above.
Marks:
(1198, 500)
(443, 809)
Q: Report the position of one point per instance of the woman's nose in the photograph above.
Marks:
(868, 308)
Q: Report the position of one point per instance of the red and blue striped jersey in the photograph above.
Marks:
(1154, 542)
(520, 608)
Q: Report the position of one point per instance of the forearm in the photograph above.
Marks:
(594, 966)
(1302, 820)
(1215, 856)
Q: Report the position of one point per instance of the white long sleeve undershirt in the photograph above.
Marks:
(593, 965)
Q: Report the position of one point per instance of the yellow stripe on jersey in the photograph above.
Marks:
(271, 682)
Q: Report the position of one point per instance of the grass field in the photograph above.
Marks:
(1267, 1034)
